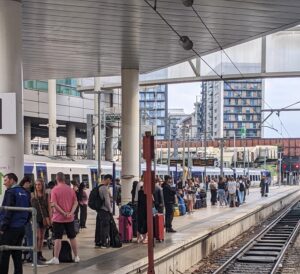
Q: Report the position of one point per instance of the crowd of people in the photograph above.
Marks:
(60, 205)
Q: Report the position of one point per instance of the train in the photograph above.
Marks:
(86, 170)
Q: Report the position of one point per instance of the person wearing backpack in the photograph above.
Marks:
(104, 213)
(12, 223)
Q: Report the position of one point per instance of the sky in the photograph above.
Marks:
(279, 93)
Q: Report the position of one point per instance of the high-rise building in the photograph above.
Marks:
(154, 109)
(227, 108)
(175, 118)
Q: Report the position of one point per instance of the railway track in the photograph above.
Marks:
(264, 253)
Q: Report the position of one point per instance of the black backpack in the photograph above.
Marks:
(115, 240)
(242, 186)
(95, 201)
(65, 254)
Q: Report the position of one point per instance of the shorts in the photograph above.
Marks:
(60, 228)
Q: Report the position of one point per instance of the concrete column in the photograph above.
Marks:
(71, 139)
(11, 146)
(109, 155)
(130, 131)
(52, 116)
(27, 136)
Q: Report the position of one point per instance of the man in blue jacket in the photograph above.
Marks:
(12, 223)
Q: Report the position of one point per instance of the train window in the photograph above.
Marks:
(258, 178)
(67, 177)
(85, 179)
(76, 178)
(251, 177)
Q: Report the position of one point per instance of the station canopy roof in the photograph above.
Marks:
(75, 38)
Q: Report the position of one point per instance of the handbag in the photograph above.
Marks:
(46, 220)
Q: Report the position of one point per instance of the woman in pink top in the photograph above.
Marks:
(83, 201)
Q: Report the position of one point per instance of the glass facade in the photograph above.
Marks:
(154, 108)
(64, 86)
(242, 105)
(228, 108)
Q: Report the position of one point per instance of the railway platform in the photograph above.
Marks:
(198, 234)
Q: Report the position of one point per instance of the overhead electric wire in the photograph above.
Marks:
(197, 54)
(221, 48)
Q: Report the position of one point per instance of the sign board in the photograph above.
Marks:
(203, 162)
(8, 113)
(174, 162)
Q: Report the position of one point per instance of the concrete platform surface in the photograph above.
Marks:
(189, 227)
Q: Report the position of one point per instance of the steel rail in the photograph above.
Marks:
(282, 253)
(249, 243)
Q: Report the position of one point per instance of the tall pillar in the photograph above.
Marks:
(71, 139)
(52, 127)
(12, 145)
(109, 144)
(130, 131)
(27, 136)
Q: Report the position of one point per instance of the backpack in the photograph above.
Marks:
(242, 186)
(126, 210)
(114, 235)
(65, 254)
(95, 201)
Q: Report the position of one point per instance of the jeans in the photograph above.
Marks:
(241, 196)
(13, 236)
(169, 215)
(221, 194)
(102, 228)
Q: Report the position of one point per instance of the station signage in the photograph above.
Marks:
(8, 113)
(174, 162)
(203, 162)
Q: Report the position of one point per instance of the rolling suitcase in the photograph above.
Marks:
(197, 202)
(159, 231)
(125, 229)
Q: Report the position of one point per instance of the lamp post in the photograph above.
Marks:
(99, 92)
(221, 157)
(169, 144)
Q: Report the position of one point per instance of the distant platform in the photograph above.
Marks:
(198, 234)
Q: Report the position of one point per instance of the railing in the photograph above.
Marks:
(34, 229)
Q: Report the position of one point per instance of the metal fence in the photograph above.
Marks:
(34, 229)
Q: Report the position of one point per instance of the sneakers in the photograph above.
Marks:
(54, 260)
(77, 259)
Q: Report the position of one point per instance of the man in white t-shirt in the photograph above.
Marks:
(231, 191)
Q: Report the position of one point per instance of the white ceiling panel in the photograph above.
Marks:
(75, 38)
